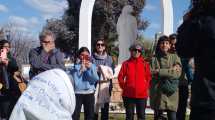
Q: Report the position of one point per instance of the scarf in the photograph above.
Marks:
(101, 57)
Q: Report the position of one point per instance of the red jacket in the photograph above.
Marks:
(134, 78)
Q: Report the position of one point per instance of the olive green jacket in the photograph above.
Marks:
(159, 100)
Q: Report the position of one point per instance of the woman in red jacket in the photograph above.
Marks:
(134, 78)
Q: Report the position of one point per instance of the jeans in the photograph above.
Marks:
(158, 115)
(88, 101)
(130, 104)
(182, 105)
(202, 114)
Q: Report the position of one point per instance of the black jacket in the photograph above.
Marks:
(10, 69)
(196, 38)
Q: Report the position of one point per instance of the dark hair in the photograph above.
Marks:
(161, 39)
(103, 40)
(83, 49)
(173, 36)
(2, 42)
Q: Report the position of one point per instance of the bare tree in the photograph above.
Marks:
(21, 42)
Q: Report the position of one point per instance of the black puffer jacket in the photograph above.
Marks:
(196, 38)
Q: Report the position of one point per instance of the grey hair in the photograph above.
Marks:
(46, 33)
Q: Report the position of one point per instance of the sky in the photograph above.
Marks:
(30, 16)
(152, 13)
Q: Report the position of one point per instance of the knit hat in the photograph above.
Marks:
(136, 46)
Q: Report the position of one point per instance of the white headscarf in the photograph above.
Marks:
(49, 96)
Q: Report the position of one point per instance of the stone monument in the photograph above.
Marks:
(127, 32)
(85, 21)
(167, 17)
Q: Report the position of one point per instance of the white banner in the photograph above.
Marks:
(49, 96)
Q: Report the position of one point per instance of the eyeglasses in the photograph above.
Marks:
(137, 50)
(100, 44)
(47, 42)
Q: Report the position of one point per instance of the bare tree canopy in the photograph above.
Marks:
(21, 42)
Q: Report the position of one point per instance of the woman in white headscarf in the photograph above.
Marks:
(127, 31)
(49, 96)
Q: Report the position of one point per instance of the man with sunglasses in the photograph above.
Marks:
(46, 56)
(134, 78)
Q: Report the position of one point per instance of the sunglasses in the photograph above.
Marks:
(100, 44)
(137, 50)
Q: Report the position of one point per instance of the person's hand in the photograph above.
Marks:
(88, 64)
(83, 67)
(177, 68)
(17, 76)
(48, 47)
(5, 61)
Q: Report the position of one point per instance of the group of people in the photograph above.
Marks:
(89, 73)
(171, 72)
(92, 78)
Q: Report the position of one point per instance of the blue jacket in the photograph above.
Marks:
(84, 82)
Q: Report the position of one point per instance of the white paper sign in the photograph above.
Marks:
(49, 96)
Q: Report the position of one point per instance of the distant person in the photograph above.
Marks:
(9, 91)
(85, 76)
(49, 96)
(166, 70)
(134, 79)
(127, 31)
(196, 39)
(46, 56)
(101, 58)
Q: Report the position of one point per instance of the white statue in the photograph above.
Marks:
(127, 32)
